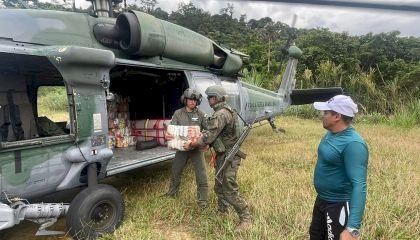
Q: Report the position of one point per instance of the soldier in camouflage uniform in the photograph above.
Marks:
(222, 135)
(190, 115)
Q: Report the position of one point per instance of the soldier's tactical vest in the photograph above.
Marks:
(228, 136)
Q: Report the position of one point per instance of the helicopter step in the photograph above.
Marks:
(128, 158)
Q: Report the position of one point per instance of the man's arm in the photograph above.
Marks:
(356, 161)
(203, 120)
(216, 123)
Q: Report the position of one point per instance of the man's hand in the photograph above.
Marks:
(346, 235)
(187, 146)
(168, 136)
(191, 144)
(205, 148)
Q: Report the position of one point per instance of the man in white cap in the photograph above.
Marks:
(340, 174)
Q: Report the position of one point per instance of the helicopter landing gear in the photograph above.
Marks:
(274, 127)
(97, 210)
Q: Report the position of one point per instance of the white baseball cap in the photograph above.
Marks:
(341, 103)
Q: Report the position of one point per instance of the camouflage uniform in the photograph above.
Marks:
(222, 135)
(194, 118)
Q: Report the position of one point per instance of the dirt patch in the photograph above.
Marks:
(173, 232)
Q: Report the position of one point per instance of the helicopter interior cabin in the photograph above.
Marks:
(26, 111)
(140, 103)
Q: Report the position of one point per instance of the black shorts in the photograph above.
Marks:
(329, 219)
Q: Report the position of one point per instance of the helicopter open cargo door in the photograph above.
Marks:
(140, 103)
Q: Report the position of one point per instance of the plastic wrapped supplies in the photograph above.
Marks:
(123, 132)
(119, 126)
(150, 129)
(182, 134)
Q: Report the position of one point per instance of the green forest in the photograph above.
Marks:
(380, 71)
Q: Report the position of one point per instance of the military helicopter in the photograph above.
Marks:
(118, 73)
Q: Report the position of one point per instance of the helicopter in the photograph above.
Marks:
(123, 79)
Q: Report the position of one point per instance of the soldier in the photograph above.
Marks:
(222, 135)
(190, 115)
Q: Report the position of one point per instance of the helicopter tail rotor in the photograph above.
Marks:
(292, 36)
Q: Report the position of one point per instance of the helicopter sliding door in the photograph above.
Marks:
(232, 86)
(201, 81)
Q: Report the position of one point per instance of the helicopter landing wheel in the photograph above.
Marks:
(94, 212)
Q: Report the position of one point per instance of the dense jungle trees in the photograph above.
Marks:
(381, 71)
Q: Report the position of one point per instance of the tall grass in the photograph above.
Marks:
(407, 116)
(369, 88)
(53, 103)
(276, 180)
(303, 111)
(53, 98)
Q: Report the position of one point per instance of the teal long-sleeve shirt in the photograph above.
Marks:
(341, 171)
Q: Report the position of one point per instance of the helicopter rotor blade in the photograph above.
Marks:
(396, 6)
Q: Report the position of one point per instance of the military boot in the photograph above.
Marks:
(203, 205)
(170, 194)
(222, 207)
(243, 226)
(222, 212)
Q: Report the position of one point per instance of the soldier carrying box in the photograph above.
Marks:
(191, 116)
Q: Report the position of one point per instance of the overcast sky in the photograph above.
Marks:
(354, 21)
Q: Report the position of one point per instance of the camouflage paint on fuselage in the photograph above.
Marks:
(32, 171)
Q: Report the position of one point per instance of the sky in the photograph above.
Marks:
(351, 20)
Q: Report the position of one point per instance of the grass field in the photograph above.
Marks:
(276, 180)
